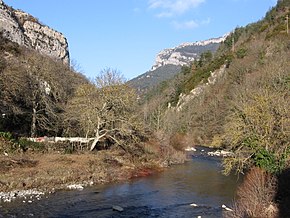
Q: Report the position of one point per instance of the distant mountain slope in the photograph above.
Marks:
(250, 67)
(169, 62)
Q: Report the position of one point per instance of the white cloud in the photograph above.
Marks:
(173, 7)
(190, 24)
(164, 14)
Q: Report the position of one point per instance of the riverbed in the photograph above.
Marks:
(194, 189)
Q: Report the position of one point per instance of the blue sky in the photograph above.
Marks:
(127, 34)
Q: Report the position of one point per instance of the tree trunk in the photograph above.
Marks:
(33, 121)
(96, 140)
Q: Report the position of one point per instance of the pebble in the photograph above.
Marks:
(190, 149)
(118, 208)
(226, 208)
(34, 194)
(220, 153)
(76, 186)
(9, 196)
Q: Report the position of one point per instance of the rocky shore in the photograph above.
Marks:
(27, 195)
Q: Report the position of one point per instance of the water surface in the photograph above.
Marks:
(168, 194)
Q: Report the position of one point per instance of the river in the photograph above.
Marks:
(167, 194)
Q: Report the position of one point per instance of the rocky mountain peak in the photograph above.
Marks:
(24, 29)
(186, 53)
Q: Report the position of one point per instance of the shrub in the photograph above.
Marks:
(241, 53)
(6, 135)
(256, 196)
(25, 144)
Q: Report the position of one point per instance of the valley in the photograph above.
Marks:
(229, 94)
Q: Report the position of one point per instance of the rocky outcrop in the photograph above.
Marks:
(186, 53)
(197, 91)
(24, 29)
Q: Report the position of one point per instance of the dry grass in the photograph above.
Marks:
(51, 167)
(54, 171)
(256, 196)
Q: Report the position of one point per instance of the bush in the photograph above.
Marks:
(278, 30)
(6, 135)
(256, 196)
(25, 144)
(241, 53)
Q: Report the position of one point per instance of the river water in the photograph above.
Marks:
(167, 194)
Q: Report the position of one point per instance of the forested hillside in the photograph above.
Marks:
(34, 90)
(253, 57)
(237, 99)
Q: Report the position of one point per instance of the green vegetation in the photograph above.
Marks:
(257, 128)
(245, 110)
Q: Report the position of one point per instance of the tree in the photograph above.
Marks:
(258, 127)
(33, 91)
(205, 58)
(105, 109)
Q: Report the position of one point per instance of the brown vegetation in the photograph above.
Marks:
(256, 196)
(54, 166)
(33, 91)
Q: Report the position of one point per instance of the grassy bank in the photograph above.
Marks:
(49, 169)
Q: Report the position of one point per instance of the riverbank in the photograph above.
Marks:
(186, 190)
(46, 172)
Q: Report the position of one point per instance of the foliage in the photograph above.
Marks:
(201, 72)
(178, 141)
(257, 129)
(206, 117)
(14, 144)
(241, 53)
(6, 135)
(9, 46)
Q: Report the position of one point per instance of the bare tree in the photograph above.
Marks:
(33, 91)
(105, 109)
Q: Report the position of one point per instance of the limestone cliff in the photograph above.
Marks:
(24, 29)
(186, 53)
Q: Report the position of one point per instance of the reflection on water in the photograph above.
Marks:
(168, 194)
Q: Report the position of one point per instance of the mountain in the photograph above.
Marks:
(169, 62)
(247, 76)
(26, 30)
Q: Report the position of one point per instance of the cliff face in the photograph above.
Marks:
(24, 29)
(186, 53)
